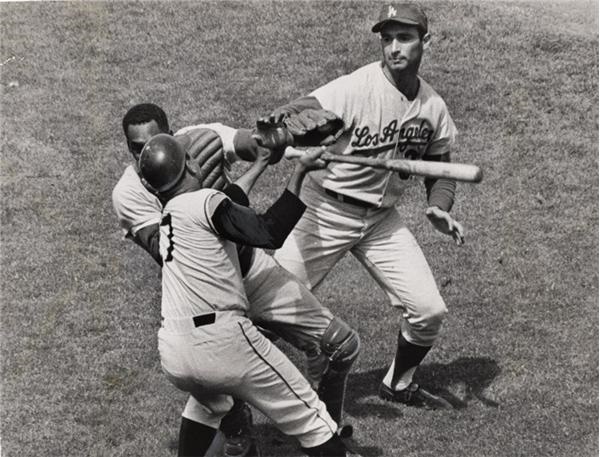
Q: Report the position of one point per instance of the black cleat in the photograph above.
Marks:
(240, 446)
(414, 395)
(238, 431)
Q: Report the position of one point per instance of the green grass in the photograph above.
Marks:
(80, 306)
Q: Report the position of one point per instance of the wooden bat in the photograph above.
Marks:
(456, 171)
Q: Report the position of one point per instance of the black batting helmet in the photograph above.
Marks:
(162, 162)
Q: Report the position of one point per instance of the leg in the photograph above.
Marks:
(276, 387)
(325, 233)
(236, 428)
(341, 345)
(321, 237)
(280, 302)
(232, 358)
(392, 256)
(199, 423)
(194, 438)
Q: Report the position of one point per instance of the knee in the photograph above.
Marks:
(433, 315)
(341, 344)
(424, 327)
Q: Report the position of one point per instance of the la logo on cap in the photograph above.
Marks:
(391, 11)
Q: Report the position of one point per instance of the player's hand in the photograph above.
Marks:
(446, 224)
(262, 159)
(310, 160)
(263, 156)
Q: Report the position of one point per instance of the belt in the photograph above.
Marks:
(347, 199)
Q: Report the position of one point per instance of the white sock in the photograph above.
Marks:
(404, 380)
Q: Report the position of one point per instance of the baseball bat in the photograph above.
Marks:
(457, 171)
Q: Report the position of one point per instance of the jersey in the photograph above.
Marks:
(381, 122)
(135, 206)
(201, 272)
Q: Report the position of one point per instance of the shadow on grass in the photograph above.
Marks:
(473, 374)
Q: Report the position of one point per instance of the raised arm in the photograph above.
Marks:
(269, 230)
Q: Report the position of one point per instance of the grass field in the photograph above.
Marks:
(80, 306)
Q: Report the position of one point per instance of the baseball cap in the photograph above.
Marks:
(404, 13)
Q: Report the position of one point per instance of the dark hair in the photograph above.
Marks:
(143, 113)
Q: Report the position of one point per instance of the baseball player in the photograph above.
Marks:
(139, 211)
(277, 299)
(208, 346)
(388, 112)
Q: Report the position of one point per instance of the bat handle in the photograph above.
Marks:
(292, 153)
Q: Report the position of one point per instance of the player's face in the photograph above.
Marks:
(402, 47)
(138, 135)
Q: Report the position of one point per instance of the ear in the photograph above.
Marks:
(426, 41)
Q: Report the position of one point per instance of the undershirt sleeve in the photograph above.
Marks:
(269, 230)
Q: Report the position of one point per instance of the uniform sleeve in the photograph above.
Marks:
(445, 134)
(135, 210)
(337, 96)
(237, 194)
(300, 104)
(227, 135)
(244, 226)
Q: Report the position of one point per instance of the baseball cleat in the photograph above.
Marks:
(237, 428)
(242, 446)
(345, 431)
(414, 395)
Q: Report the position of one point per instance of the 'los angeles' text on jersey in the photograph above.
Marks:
(413, 135)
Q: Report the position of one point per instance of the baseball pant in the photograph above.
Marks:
(281, 303)
(232, 358)
(380, 240)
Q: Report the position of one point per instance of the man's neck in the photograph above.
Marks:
(187, 184)
(405, 82)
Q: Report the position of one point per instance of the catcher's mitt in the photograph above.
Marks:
(311, 127)
(314, 127)
(206, 157)
(274, 136)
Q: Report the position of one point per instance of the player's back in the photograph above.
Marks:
(201, 270)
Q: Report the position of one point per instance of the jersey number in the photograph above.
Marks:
(166, 220)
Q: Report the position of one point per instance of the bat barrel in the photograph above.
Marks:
(455, 171)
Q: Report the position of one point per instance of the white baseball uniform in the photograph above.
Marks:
(380, 122)
(208, 345)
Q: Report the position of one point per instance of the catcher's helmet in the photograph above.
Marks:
(162, 162)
